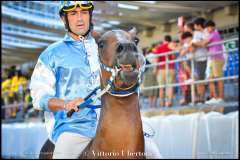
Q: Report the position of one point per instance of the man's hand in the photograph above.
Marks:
(73, 104)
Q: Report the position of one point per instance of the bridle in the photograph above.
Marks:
(110, 87)
(115, 90)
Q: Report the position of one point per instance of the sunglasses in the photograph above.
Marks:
(71, 5)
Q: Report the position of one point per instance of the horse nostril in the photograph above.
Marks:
(135, 48)
(119, 48)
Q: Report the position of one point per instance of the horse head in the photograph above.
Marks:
(118, 52)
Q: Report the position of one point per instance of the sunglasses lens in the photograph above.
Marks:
(70, 5)
(68, 8)
(86, 6)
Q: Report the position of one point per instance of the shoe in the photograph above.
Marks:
(212, 101)
(182, 102)
(168, 104)
(200, 102)
(220, 100)
(191, 104)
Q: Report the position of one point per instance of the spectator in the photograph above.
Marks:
(28, 104)
(189, 27)
(14, 86)
(150, 80)
(216, 62)
(161, 71)
(185, 70)
(200, 58)
(21, 86)
(6, 85)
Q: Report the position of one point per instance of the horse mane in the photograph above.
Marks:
(96, 35)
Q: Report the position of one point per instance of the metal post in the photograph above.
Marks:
(195, 136)
(237, 134)
(167, 79)
(193, 80)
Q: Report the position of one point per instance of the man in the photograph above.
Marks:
(161, 71)
(200, 60)
(65, 73)
(216, 62)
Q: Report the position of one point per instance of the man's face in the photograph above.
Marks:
(187, 29)
(210, 29)
(197, 27)
(78, 20)
(187, 40)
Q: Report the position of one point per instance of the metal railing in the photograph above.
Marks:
(192, 59)
(22, 105)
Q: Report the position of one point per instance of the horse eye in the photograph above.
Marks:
(136, 40)
(100, 44)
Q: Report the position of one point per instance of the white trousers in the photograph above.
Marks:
(70, 145)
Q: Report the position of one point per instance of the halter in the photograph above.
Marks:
(109, 88)
(123, 92)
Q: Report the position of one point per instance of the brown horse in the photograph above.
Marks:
(119, 131)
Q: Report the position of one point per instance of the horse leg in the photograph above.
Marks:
(47, 150)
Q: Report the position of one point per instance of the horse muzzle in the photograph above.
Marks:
(129, 64)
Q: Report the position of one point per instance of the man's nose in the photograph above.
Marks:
(79, 16)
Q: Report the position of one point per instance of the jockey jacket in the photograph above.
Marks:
(65, 70)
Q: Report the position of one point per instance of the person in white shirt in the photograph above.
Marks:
(200, 57)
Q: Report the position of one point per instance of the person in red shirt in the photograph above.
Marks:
(165, 76)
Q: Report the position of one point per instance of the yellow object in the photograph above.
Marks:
(161, 76)
(27, 99)
(71, 5)
(14, 86)
(22, 81)
(216, 68)
(6, 88)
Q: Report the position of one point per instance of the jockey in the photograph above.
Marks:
(65, 73)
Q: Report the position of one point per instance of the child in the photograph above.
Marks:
(185, 69)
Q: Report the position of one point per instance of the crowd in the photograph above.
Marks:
(192, 44)
(15, 95)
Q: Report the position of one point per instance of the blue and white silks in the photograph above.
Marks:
(67, 69)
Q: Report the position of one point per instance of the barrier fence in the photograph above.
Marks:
(193, 82)
(21, 105)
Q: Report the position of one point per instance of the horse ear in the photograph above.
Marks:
(133, 32)
(96, 35)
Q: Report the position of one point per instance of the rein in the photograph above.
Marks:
(97, 93)
(109, 88)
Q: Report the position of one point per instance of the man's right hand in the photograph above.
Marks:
(73, 104)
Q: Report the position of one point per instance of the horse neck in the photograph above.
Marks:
(120, 123)
(115, 110)
(121, 105)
